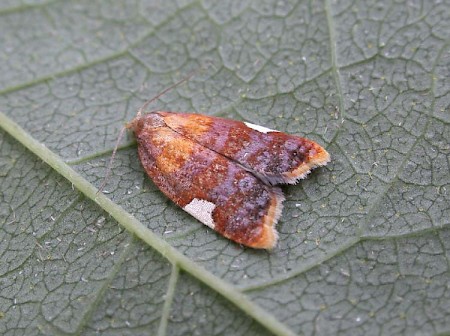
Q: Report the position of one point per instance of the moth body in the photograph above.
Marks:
(223, 172)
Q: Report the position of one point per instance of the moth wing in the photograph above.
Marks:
(274, 156)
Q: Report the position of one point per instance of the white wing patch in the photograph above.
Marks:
(258, 128)
(202, 210)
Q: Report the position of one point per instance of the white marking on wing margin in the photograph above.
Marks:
(258, 128)
(202, 210)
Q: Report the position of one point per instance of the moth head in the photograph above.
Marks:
(147, 121)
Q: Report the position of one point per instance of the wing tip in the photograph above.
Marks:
(269, 235)
(319, 159)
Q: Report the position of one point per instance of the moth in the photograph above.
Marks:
(224, 172)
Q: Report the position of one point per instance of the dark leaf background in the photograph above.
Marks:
(364, 242)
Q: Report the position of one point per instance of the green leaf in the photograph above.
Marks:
(364, 242)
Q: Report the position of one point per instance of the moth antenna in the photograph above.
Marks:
(143, 107)
(108, 169)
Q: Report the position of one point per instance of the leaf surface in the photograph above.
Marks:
(364, 242)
